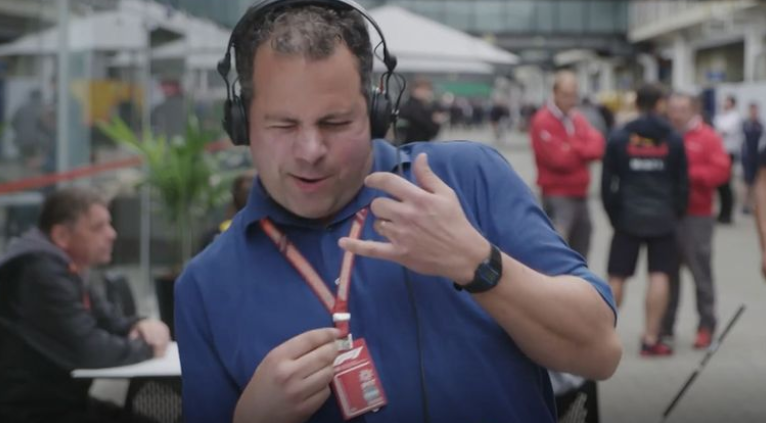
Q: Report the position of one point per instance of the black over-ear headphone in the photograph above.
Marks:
(382, 112)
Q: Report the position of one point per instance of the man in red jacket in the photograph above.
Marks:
(564, 144)
(708, 165)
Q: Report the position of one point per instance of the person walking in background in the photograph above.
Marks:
(420, 119)
(644, 188)
(499, 117)
(729, 125)
(32, 139)
(709, 166)
(752, 130)
(565, 144)
(169, 118)
(594, 116)
(240, 189)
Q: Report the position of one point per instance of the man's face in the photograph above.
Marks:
(309, 130)
(728, 104)
(565, 95)
(753, 112)
(89, 240)
(680, 113)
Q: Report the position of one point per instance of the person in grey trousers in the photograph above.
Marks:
(708, 165)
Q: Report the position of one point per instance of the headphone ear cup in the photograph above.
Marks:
(380, 114)
(235, 121)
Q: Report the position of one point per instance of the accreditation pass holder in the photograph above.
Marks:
(356, 384)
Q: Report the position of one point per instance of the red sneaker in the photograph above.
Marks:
(704, 338)
(657, 349)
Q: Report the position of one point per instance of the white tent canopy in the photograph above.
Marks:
(125, 29)
(105, 31)
(423, 45)
(202, 47)
(420, 44)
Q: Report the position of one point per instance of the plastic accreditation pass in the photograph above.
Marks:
(356, 383)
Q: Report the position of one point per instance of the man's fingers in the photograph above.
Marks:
(317, 381)
(373, 249)
(394, 185)
(311, 404)
(316, 360)
(387, 208)
(308, 341)
(426, 177)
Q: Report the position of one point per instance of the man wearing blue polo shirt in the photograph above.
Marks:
(333, 245)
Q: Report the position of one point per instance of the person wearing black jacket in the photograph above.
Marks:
(418, 116)
(644, 188)
(52, 323)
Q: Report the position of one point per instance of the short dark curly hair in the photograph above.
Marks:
(66, 206)
(310, 31)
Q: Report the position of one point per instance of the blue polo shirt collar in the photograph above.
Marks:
(260, 204)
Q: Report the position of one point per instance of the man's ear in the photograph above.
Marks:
(60, 236)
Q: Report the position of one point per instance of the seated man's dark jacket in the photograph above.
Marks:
(50, 324)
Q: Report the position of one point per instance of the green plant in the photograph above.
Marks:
(180, 171)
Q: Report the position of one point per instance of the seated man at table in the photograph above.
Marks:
(52, 323)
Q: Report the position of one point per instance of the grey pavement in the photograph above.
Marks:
(732, 387)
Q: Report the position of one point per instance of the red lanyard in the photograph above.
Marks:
(85, 294)
(336, 305)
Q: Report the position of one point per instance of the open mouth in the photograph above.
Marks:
(309, 184)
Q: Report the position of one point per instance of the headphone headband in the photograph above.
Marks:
(224, 65)
(382, 111)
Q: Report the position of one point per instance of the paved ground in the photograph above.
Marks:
(732, 387)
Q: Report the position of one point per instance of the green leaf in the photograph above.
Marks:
(179, 170)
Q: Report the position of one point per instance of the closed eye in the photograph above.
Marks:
(282, 126)
(336, 124)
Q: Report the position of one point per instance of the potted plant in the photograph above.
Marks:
(184, 179)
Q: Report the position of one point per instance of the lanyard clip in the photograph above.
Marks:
(346, 342)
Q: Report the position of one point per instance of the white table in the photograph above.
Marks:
(155, 385)
(167, 366)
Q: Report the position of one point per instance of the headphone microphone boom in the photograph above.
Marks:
(383, 112)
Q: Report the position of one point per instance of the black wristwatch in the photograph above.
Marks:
(487, 275)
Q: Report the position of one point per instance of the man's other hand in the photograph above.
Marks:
(293, 380)
(154, 332)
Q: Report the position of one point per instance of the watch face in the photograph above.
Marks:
(488, 274)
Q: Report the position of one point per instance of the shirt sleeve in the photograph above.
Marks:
(511, 218)
(107, 315)
(209, 393)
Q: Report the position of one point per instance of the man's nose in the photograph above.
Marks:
(310, 146)
(112, 233)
